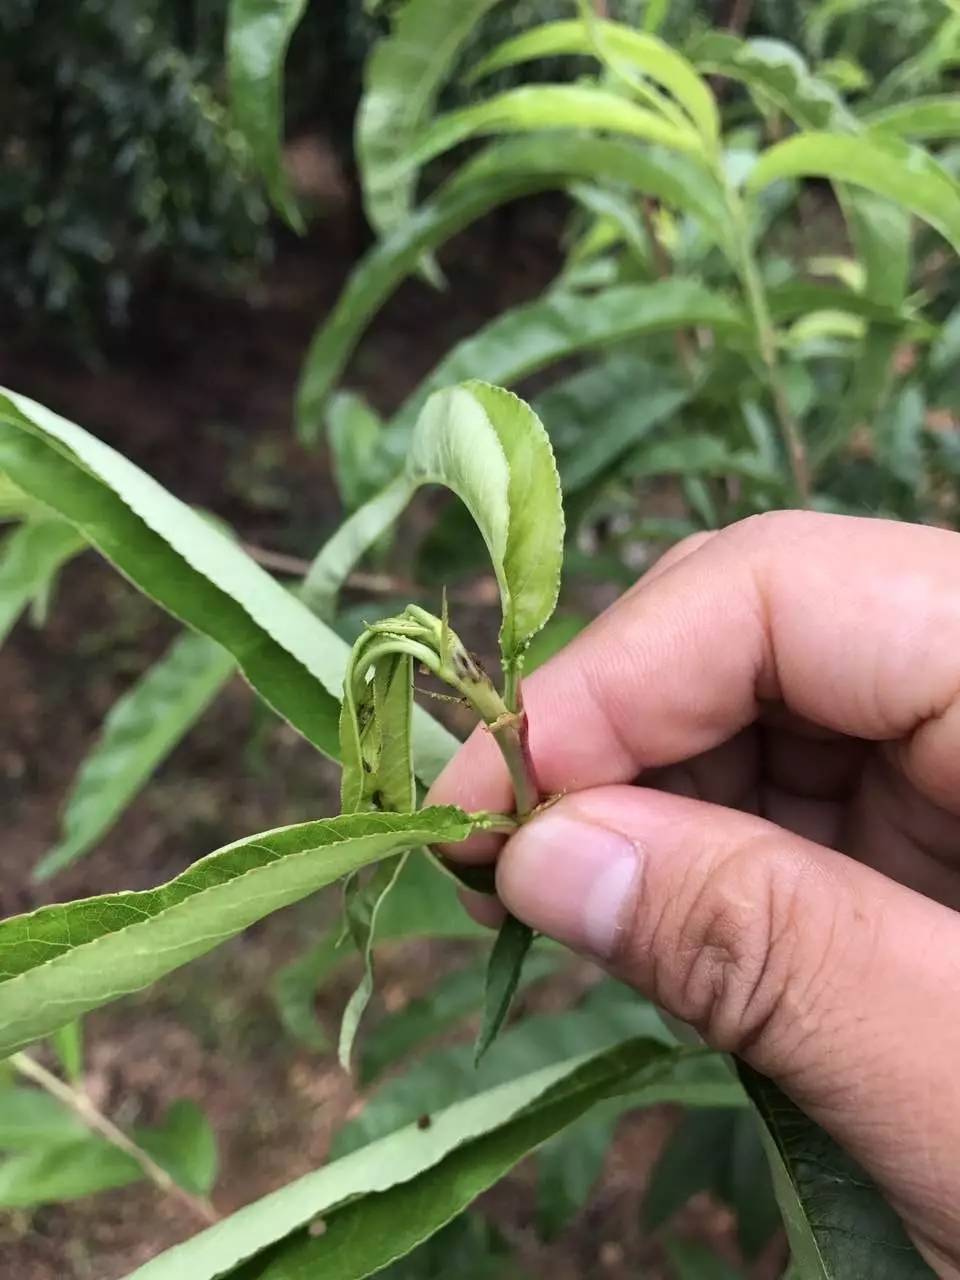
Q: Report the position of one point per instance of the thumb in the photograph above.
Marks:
(820, 972)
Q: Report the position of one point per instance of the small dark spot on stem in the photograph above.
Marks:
(424, 1121)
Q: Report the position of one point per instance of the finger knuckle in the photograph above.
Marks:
(724, 950)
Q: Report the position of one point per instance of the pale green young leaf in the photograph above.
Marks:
(491, 449)
(503, 977)
(885, 165)
(641, 51)
(30, 555)
(258, 33)
(401, 81)
(532, 108)
(837, 1222)
(193, 570)
(59, 961)
(379, 1203)
(776, 72)
(140, 730)
(502, 172)
(923, 119)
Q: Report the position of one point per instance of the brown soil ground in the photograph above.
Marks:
(199, 394)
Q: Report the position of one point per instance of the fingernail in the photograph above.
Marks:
(570, 879)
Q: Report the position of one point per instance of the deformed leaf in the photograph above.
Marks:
(258, 32)
(503, 977)
(491, 449)
(140, 730)
(59, 961)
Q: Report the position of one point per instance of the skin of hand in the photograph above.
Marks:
(758, 750)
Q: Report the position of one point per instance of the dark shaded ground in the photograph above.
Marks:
(200, 395)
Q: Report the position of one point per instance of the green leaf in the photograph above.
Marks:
(720, 1152)
(338, 557)
(774, 71)
(503, 172)
(184, 1145)
(924, 118)
(532, 108)
(29, 557)
(423, 904)
(363, 904)
(641, 51)
(885, 165)
(454, 997)
(355, 433)
(560, 324)
(258, 32)
(67, 1044)
(379, 1203)
(402, 78)
(837, 1222)
(31, 1120)
(491, 449)
(609, 1013)
(693, 1261)
(193, 570)
(503, 977)
(570, 1164)
(556, 635)
(50, 1175)
(59, 961)
(140, 730)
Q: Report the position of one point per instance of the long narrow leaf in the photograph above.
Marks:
(925, 118)
(140, 730)
(379, 1203)
(907, 175)
(502, 173)
(401, 82)
(641, 50)
(60, 961)
(258, 32)
(194, 570)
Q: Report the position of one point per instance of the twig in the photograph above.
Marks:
(481, 592)
(82, 1106)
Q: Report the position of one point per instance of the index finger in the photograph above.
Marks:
(853, 623)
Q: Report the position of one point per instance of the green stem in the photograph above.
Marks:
(749, 272)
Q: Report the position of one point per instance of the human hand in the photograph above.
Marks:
(759, 747)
